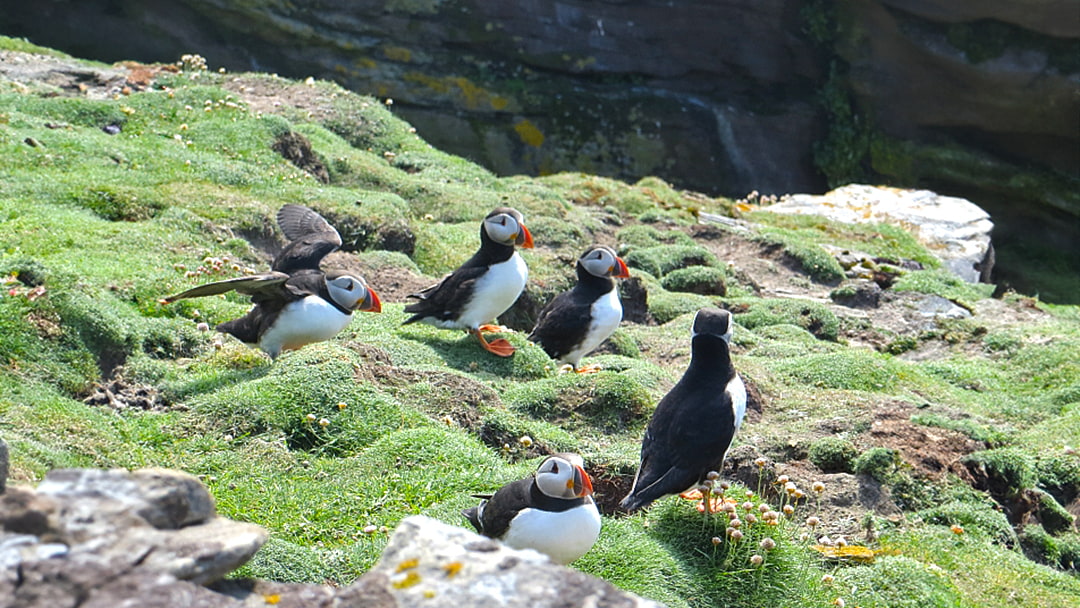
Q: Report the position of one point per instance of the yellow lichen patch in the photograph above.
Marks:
(472, 96)
(397, 53)
(272, 599)
(365, 63)
(453, 568)
(407, 564)
(854, 553)
(429, 593)
(410, 579)
(529, 133)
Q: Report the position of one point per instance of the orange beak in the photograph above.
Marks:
(581, 483)
(524, 238)
(619, 270)
(372, 302)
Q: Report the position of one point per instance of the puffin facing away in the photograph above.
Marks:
(693, 425)
(483, 287)
(296, 303)
(577, 321)
(551, 511)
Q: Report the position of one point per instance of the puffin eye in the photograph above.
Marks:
(555, 468)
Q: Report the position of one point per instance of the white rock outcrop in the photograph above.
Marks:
(954, 229)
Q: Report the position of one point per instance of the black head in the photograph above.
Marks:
(713, 322)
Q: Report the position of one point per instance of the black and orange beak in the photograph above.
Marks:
(581, 483)
(619, 270)
(371, 303)
(524, 238)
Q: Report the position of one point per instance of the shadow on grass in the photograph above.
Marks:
(465, 354)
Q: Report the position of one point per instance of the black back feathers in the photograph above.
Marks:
(694, 424)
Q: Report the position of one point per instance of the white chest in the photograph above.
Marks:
(303, 322)
(736, 390)
(494, 292)
(606, 314)
(563, 536)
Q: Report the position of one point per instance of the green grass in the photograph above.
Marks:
(387, 421)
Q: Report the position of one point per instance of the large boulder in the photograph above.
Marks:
(95, 534)
(148, 538)
(433, 565)
(956, 230)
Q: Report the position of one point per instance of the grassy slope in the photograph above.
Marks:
(419, 418)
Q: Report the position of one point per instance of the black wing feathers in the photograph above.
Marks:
(311, 238)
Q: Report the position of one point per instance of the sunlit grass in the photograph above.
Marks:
(330, 446)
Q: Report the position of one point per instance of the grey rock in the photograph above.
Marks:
(157, 592)
(865, 294)
(431, 564)
(207, 552)
(941, 308)
(150, 538)
(156, 497)
(956, 230)
(114, 538)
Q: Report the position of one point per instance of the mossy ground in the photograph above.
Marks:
(387, 420)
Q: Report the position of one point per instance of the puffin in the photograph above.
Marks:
(577, 321)
(693, 425)
(296, 303)
(551, 511)
(482, 288)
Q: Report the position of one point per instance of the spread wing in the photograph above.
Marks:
(311, 238)
(268, 284)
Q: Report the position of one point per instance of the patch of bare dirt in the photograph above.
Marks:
(392, 283)
(609, 487)
(932, 452)
(296, 149)
(119, 394)
(269, 95)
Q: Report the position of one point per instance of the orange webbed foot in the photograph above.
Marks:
(500, 347)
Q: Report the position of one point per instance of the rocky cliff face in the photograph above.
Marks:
(969, 98)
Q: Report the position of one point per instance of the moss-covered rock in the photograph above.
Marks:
(1057, 551)
(704, 280)
(845, 369)
(879, 463)
(1004, 472)
(1055, 519)
(1060, 476)
(312, 399)
(662, 259)
(833, 455)
(880, 584)
(811, 316)
(609, 401)
(972, 518)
